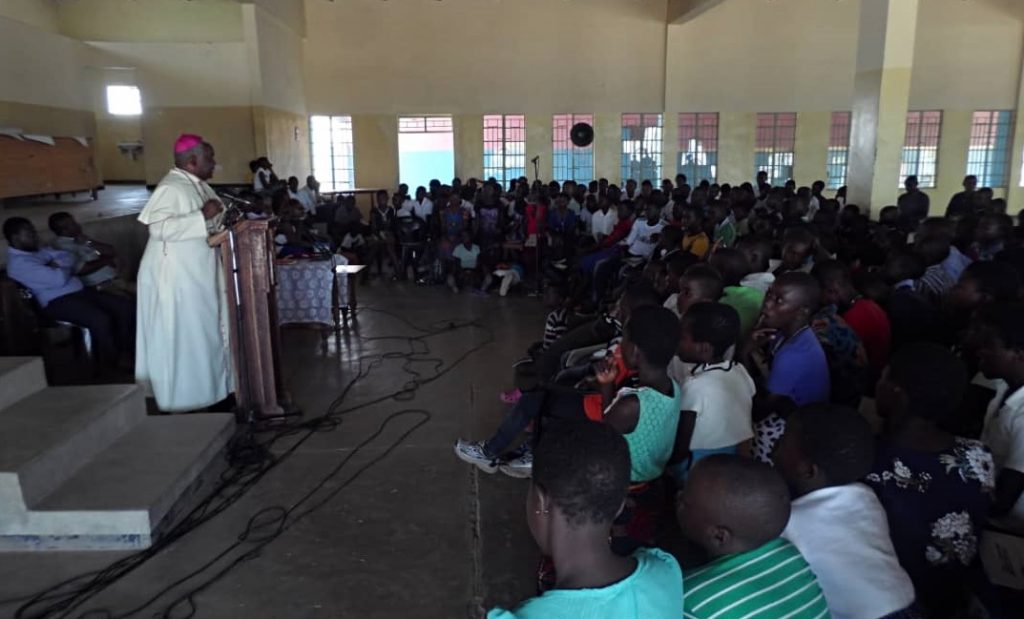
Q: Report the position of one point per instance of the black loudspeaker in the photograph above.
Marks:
(582, 134)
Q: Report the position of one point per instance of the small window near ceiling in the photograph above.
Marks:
(124, 100)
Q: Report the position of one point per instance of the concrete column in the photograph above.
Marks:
(469, 146)
(1015, 193)
(885, 59)
(375, 144)
(811, 154)
(538, 143)
(669, 145)
(735, 148)
(608, 147)
(954, 142)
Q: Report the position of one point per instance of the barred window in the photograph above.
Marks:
(641, 147)
(698, 147)
(921, 147)
(775, 145)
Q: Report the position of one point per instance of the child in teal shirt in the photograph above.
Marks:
(647, 416)
(581, 475)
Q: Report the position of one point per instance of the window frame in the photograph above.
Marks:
(917, 146)
(837, 162)
(992, 155)
(574, 163)
(779, 157)
(122, 103)
(698, 129)
(340, 150)
(655, 144)
(510, 151)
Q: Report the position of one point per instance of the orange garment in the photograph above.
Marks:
(593, 403)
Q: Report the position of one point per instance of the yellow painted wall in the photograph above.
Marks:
(114, 165)
(812, 136)
(469, 150)
(284, 138)
(41, 68)
(375, 140)
(228, 129)
(47, 120)
(483, 56)
(151, 21)
(40, 14)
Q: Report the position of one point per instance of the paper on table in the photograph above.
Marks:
(12, 132)
(81, 140)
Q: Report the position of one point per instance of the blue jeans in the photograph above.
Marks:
(557, 402)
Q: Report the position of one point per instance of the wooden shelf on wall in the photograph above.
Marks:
(30, 168)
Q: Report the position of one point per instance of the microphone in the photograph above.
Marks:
(535, 159)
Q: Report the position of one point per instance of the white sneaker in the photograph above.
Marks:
(474, 453)
(520, 468)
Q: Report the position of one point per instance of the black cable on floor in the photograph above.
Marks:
(250, 458)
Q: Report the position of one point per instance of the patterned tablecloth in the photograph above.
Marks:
(304, 290)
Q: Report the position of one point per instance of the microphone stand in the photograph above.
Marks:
(536, 168)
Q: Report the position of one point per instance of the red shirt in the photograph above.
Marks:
(619, 232)
(871, 324)
(535, 215)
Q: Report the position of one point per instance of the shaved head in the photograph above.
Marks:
(732, 504)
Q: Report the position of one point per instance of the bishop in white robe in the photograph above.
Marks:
(183, 355)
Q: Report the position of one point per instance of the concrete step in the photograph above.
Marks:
(19, 378)
(128, 494)
(50, 434)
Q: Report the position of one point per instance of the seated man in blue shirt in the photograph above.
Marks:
(49, 274)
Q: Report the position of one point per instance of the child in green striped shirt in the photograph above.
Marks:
(580, 478)
(736, 509)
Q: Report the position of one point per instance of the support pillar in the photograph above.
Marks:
(885, 59)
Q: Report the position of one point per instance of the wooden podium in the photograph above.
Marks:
(247, 256)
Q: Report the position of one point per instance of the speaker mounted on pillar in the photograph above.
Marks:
(582, 134)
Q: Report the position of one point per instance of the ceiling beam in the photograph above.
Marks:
(680, 11)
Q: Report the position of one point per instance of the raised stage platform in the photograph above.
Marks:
(84, 467)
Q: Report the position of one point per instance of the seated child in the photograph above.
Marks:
(716, 403)
(733, 267)
(510, 274)
(695, 240)
(936, 488)
(725, 230)
(699, 283)
(675, 266)
(735, 509)
(758, 252)
(1001, 357)
(579, 482)
(648, 416)
(836, 523)
(466, 256)
(551, 400)
(798, 372)
(912, 316)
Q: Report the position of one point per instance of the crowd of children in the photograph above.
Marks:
(814, 413)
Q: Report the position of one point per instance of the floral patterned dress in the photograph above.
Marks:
(937, 504)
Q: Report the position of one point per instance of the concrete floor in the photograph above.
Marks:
(418, 532)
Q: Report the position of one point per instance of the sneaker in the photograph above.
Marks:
(520, 468)
(474, 453)
(510, 397)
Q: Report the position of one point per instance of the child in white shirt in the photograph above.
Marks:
(718, 396)
(836, 523)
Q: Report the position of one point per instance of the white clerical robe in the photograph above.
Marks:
(182, 350)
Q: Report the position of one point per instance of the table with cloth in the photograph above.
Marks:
(306, 291)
